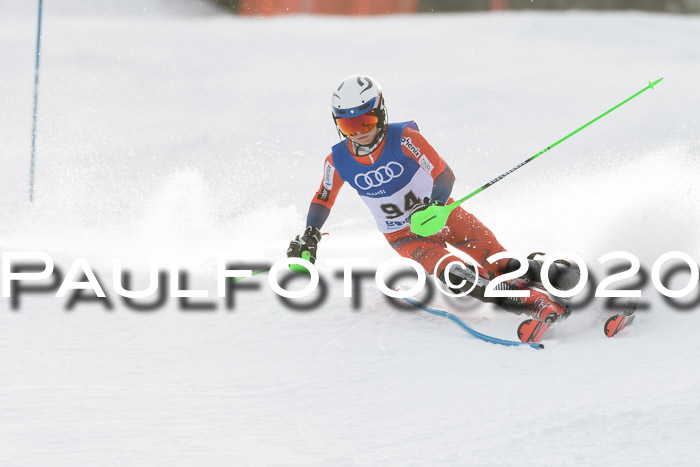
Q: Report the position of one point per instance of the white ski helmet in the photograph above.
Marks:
(356, 96)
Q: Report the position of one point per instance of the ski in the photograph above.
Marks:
(463, 325)
(617, 323)
(532, 330)
(620, 320)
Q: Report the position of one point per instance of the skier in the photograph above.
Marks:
(397, 173)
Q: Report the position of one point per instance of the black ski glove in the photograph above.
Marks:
(308, 241)
(420, 206)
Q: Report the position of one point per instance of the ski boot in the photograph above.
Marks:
(562, 274)
(543, 310)
(538, 304)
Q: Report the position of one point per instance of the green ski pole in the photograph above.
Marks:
(433, 219)
(253, 274)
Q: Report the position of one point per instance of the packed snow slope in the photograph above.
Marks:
(165, 135)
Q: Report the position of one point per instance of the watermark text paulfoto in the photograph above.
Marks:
(35, 273)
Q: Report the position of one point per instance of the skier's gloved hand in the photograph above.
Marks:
(308, 241)
(425, 204)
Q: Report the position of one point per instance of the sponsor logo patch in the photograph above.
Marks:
(328, 172)
(425, 163)
(406, 141)
(323, 195)
(377, 193)
(378, 177)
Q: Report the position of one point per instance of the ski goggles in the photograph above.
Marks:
(360, 124)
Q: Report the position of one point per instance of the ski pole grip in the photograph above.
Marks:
(298, 267)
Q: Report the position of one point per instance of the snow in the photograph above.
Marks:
(164, 135)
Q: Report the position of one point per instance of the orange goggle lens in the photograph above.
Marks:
(355, 125)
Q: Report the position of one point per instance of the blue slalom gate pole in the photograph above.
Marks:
(462, 324)
(32, 159)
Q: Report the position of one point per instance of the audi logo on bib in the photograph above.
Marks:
(378, 177)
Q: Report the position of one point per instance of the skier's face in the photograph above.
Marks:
(364, 139)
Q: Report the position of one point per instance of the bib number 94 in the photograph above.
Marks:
(393, 211)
